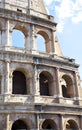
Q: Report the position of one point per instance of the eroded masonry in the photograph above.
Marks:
(39, 87)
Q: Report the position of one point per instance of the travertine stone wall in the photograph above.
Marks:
(58, 108)
(20, 5)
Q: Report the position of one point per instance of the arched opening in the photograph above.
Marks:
(43, 42)
(19, 125)
(67, 86)
(71, 125)
(18, 38)
(19, 83)
(49, 124)
(46, 86)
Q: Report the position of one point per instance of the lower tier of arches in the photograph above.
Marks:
(40, 121)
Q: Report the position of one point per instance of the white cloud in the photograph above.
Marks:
(48, 2)
(78, 5)
(57, 0)
(65, 9)
(60, 26)
(77, 18)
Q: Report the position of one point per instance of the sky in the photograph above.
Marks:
(68, 15)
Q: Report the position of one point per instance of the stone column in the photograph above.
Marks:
(4, 122)
(10, 82)
(1, 37)
(53, 85)
(7, 78)
(7, 123)
(4, 37)
(81, 122)
(76, 85)
(53, 42)
(76, 91)
(58, 87)
(61, 124)
(36, 81)
(37, 128)
(33, 40)
(7, 33)
(2, 83)
(10, 38)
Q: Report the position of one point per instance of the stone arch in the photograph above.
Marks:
(46, 83)
(47, 40)
(21, 28)
(19, 36)
(67, 86)
(49, 124)
(71, 125)
(20, 82)
(20, 124)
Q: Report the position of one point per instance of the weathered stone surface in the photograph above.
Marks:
(38, 90)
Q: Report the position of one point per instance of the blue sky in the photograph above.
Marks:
(68, 15)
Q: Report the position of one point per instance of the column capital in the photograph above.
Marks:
(7, 60)
(57, 68)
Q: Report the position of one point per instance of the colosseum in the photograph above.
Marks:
(39, 90)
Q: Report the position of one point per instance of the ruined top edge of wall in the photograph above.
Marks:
(31, 7)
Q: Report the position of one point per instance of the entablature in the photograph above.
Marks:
(26, 18)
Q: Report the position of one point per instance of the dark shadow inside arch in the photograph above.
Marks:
(19, 125)
(71, 125)
(64, 91)
(46, 83)
(49, 124)
(19, 83)
(67, 86)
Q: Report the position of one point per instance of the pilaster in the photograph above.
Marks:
(76, 85)
(59, 91)
(5, 34)
(61, 124)
(7, 80)
(36, 81)
(33, 37)
(76, 92)
(38, 122)
(81, 122)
